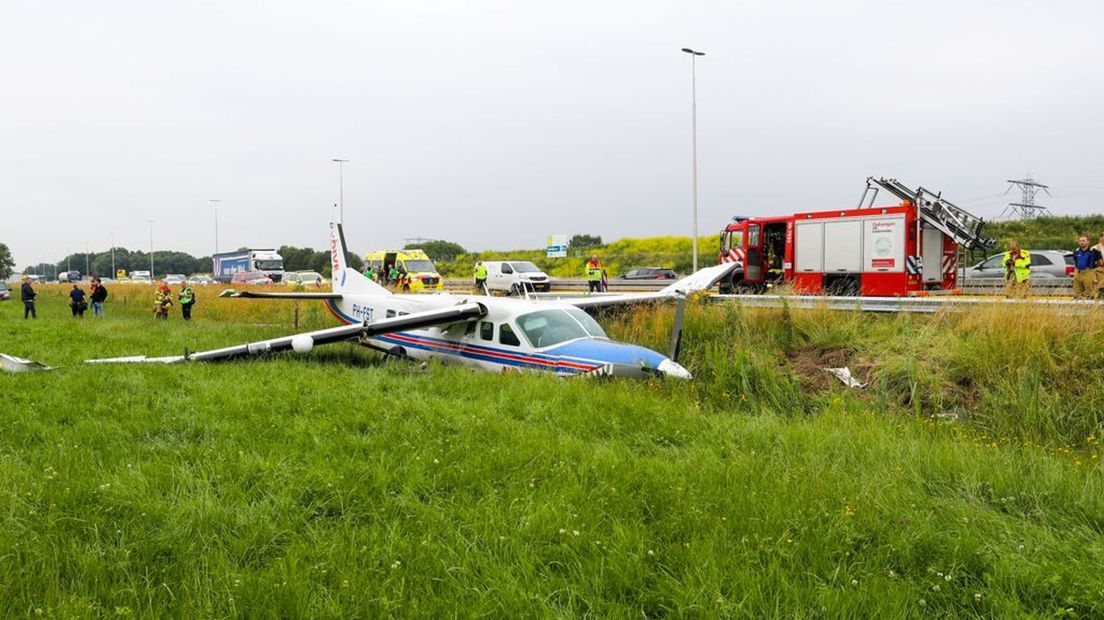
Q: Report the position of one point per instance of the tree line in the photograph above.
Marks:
(170, 261)
(167, 261)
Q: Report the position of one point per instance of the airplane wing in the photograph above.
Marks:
(252, 295)
(306, 341)
(701, 280)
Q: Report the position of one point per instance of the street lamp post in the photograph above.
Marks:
(694, 130)
(87, 269)
(341, 188)
(151, 249)
(113, 272)
(216, 201)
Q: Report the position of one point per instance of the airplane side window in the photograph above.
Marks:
(390, 314)
(469, 328)
(486, 330)
(507, 336)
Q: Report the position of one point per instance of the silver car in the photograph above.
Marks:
(1044, 264)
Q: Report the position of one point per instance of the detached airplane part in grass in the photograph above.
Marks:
(11, 363)
(490, 333)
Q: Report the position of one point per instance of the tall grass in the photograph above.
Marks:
(1032, 375)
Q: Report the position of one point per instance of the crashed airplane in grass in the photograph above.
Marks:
(489, 333)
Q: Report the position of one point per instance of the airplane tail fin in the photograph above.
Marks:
(346, 280)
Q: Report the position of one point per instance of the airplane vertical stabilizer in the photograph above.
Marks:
(346, 280)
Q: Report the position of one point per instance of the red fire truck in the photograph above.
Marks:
(898, 249)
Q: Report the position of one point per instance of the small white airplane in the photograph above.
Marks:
(490, 333)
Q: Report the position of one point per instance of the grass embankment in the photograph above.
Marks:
(336, 485)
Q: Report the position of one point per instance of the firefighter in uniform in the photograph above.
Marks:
(162, 299)
(480, 277)
(1100, 269)
(594, 275)
(1017, 270)
(1086, 261)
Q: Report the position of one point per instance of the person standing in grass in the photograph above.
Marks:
(28, 294)
(99, 295)
(187, 300)
(1086, 261)
(162, 299)
(76, 301)
(480, 277)
(594, 274)
(1017, 270)
(1099, 247)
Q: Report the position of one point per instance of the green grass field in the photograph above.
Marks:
(339, 485)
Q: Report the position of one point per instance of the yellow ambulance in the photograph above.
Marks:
(420, 272)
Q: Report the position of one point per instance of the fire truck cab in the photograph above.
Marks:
(891, 250)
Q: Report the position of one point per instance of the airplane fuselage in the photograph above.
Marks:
(514, 334)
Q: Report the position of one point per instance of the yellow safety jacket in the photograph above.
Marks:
(593, 272)
(1020, 268)
(481, 273)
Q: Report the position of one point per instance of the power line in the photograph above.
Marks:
(1026, 208)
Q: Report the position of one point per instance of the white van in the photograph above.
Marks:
(514, 277)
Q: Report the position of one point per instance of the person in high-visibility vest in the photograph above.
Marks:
(594, 275)
(1086, 261)
(187, 300)
(1017, 270)
(480, 277)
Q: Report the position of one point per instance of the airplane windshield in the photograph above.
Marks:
(549, 327)
(588, 323)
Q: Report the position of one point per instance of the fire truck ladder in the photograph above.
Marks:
(959, 224)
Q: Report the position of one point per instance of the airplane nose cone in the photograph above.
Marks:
(673, 369)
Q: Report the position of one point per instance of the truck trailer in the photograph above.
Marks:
(267, 261)
(892, 250)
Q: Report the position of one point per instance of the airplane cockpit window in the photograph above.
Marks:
(507, 336)
(589, 324)
(549, 327)
(486, 330)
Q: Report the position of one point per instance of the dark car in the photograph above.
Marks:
(251, 277)
(650, 273)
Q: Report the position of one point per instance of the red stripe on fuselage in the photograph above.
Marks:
(461, 348)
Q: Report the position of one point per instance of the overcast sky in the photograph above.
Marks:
(496, 123)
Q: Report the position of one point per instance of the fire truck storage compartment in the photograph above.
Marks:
(843, 246)
(809, 247)
(933, 254)
(774, 248)
(884, 244)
